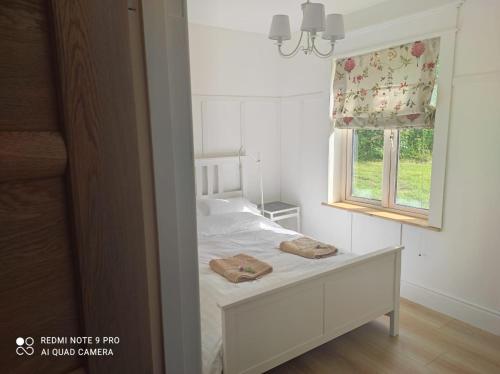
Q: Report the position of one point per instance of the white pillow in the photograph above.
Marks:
(210, 207)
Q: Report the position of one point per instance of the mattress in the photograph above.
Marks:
(232, 233)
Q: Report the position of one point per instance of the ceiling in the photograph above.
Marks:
(256, 15)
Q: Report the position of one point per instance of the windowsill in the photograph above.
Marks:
(384, 214)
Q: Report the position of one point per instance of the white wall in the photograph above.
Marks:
(231, 63)
(456, 270)
(236, 101)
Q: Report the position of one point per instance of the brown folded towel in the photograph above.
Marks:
(240, 268)
(307, 247)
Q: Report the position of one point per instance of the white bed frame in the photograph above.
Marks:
(209, 177)
(269, 327)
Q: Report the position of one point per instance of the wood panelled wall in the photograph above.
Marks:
(38, 279)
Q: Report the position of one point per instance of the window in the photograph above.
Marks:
(366, 166)
(385, 101)
(390, 168)
(412, 185)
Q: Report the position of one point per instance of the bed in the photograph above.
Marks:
(254, 326)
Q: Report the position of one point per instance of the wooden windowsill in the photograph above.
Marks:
(384, 214)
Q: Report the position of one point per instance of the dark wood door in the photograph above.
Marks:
(76, 257)
(38, 274)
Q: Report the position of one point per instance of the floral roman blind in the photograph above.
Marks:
(387, 89)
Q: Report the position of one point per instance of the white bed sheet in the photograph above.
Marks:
(229, 234)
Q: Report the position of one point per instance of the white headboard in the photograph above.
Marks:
(220, 177)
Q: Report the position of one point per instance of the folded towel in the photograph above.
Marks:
(307, 247)
(240, 268)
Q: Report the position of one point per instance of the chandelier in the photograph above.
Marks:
(313, 22)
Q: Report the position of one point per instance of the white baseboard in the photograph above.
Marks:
(475, 315)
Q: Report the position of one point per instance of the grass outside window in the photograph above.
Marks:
(414, 185)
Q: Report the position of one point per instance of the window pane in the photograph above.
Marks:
(414, 168)
(367, 164)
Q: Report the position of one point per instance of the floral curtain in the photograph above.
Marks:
(387, 89)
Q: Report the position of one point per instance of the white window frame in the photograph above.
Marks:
(339, 138)
(389, 176)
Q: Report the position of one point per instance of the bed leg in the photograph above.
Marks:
(394, 314)
(394, 322)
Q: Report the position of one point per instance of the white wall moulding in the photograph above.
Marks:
(221, 127)
(224, 124)
(475, 315)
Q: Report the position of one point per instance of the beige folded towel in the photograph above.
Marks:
(307, 247)
(240, 268)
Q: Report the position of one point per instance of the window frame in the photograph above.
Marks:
(394, 183)
(389, 176)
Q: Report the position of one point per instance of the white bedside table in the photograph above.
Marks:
(278, 210)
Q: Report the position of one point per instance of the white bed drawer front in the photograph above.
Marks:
(256, 340)
(374, 285)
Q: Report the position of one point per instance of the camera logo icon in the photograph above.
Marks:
(24, 346)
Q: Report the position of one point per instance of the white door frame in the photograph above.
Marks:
(168, 77)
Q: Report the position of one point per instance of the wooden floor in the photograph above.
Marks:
(429, 342)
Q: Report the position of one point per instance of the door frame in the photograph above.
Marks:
(169, 88)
